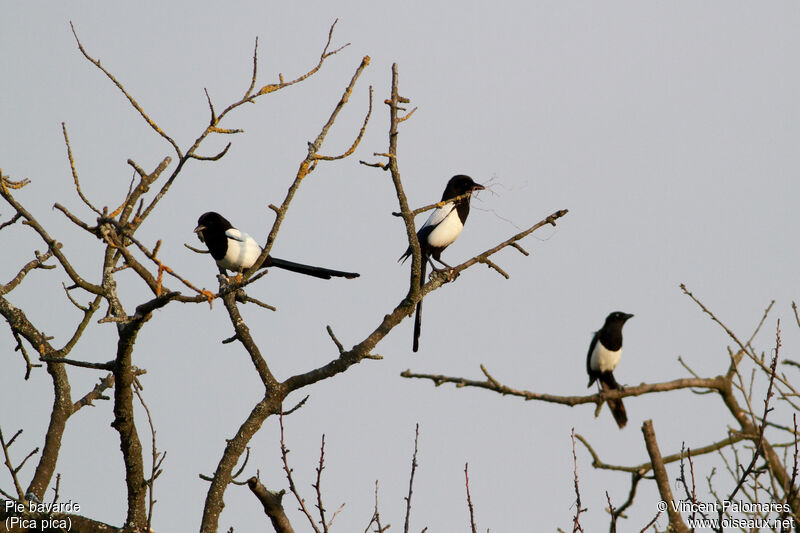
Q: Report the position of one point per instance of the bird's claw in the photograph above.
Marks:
(449, 273)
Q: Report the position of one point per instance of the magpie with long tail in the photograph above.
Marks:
(441, 230)
(236, 251)
(605, 351)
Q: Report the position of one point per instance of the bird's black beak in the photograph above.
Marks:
(198, 230)
(628, 315)
(478, 187)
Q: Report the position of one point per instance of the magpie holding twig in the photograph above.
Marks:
(237, 251)
(603, 357)
(440, 231)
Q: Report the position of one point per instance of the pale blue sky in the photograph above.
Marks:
(669, 130)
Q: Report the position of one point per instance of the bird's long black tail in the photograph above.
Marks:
(308, 270)
(418, 315)
(607, 382)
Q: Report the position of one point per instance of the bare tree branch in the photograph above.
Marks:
(620, 511)
(124, 376)
(356, 142)
(96, 62)
(492, 384)
(662, 481)
(644, 468)
(54, 247)
(272, 504)
(96, 393)
(760, 441)
(38, 262)
(307, 166)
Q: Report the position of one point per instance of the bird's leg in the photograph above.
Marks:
(237, 278)
(431, 258)
(433, 266)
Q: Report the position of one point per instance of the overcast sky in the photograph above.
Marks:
(668, 129)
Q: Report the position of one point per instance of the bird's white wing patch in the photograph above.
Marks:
(439, 214)
(236, 235)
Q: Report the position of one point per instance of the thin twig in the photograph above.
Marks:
(761, 322)
(435, 205)
(576, 524)
(157, 458)
(644, 468)
(300, 404)
(13, 219)
(651, 523)
(469, 499)
(96, 393)
(108, 365)
(130, 98)
(292, 486)
(56, 488)
(356, 142)
(37, 262)
(411, 479)
(611, 511)
(9, 465)
(317, 485)
(75, 172)
(376, 516)
(636, 477)
(308, 164)
(760, 442)
(335, 340)
(21, 348)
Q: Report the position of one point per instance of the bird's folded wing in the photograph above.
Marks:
(439, 214)
(237, 235)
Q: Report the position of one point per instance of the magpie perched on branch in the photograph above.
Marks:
(237, 251)
(440, 231)
(603, 357)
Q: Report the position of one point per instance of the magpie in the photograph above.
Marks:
(237, 251)
(440, 231)
(603, 357)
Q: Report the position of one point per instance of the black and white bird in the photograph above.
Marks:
(441, 230)
(603, 357)
(237, 251)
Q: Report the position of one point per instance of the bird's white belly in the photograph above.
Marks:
(447, 231)
(240, 255)
(603, 359)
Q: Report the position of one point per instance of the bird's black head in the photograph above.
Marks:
(459, 185)
(211, 222)
(617, 317)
